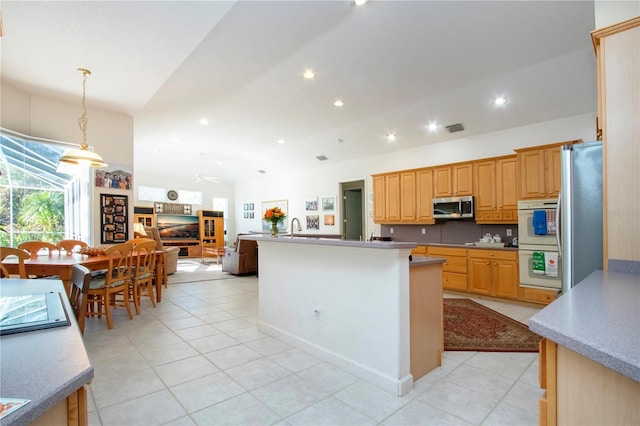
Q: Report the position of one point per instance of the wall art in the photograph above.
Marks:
(113, 218)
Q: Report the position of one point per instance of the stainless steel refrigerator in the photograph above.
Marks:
(580, 211)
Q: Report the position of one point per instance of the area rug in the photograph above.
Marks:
(470, 326)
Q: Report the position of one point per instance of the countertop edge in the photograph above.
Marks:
(331, 242)
(583, 337)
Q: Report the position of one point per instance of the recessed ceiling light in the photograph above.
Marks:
(359, 2)
(155, 151)
(281, 141)
(204, 121)
(245, 153)
(309, 74)
(433, 127)
(391, 137)
(499, 100)
(338, 103)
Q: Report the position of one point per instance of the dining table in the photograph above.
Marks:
(60, 264)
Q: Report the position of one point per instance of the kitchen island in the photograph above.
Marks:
(49, 367)
(590, 354)
(348, 303)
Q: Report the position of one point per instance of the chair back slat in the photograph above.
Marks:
(33, 247)
(69, 245)
(22, 255)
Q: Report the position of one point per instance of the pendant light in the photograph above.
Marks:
(82, 156)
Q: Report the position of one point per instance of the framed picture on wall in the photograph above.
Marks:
(313, 221)
(116, 176)
(113, 218)
(329, 204)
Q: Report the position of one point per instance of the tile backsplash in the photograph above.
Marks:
(447, 232)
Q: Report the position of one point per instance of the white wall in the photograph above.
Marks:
(109, 133)
(325, 180)
(609, 12)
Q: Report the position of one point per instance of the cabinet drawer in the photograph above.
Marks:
(446, 251)
(493, 254)
(419, 250)
(454, 281)
(455, 264)
(537, 295)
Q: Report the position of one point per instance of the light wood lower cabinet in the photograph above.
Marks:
(454, 270)
(580, 391)
(493, 273)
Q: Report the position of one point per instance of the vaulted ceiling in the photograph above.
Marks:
(396, 65)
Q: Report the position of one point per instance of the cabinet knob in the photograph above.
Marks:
(495, 264)
(488, 263)
(446, 263)
(490, 254)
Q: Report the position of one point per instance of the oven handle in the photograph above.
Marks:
(558, 213)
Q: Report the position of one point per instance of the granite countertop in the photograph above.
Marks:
(599, 319)
(469, 246)
(330, 242)
(44, 366)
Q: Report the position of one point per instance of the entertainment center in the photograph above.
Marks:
(195, 236)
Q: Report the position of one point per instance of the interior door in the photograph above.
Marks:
(352, 193)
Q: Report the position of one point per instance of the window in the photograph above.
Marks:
(37, 200)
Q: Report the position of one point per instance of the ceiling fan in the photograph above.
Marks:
(200, 178)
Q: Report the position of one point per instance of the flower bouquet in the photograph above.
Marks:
(274, 215)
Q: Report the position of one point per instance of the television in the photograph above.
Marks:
(178, 227)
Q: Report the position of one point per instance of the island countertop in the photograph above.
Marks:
(599, 319)
(44, 366)
(331, 242)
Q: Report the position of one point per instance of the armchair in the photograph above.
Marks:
(172, 252)
(241, 259)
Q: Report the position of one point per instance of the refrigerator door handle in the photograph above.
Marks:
(558, 224)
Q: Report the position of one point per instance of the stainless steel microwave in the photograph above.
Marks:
(453, 207)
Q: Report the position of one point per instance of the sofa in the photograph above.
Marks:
(172, 252)
(241, 259)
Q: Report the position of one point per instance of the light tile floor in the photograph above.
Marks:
(199, 359)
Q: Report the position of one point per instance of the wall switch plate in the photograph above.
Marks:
(424, 231)
(509, 232)
(391, 230)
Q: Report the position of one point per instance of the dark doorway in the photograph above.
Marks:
(353, 213)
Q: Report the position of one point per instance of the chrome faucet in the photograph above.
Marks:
(295, 219)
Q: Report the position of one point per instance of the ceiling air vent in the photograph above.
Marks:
(262, 171)
(458, 127)
(322, 157)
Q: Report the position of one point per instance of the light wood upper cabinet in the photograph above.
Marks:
(540, 173)
(392, 202)
(618, 67)
(424, 195)
(507, 183)
(452, 181)
(379, 199)
(403, 197)
(495, 188)
(484, 182)
(408, 206)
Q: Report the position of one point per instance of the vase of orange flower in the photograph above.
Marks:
(274, 216)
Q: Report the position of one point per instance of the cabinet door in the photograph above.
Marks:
(484, 181)
(506, 280)
(553, 171)
(392, 204)
(532, 174)
(462, 179)
(379, 199)
(408, 196)
(442, 182)
(480, 275)
(507, 183)
(424, 195)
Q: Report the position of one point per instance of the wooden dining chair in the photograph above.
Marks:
(69, 245)
(79, 293)
(116, 281)
(33, 247)
(143, 272)
(22, 255)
